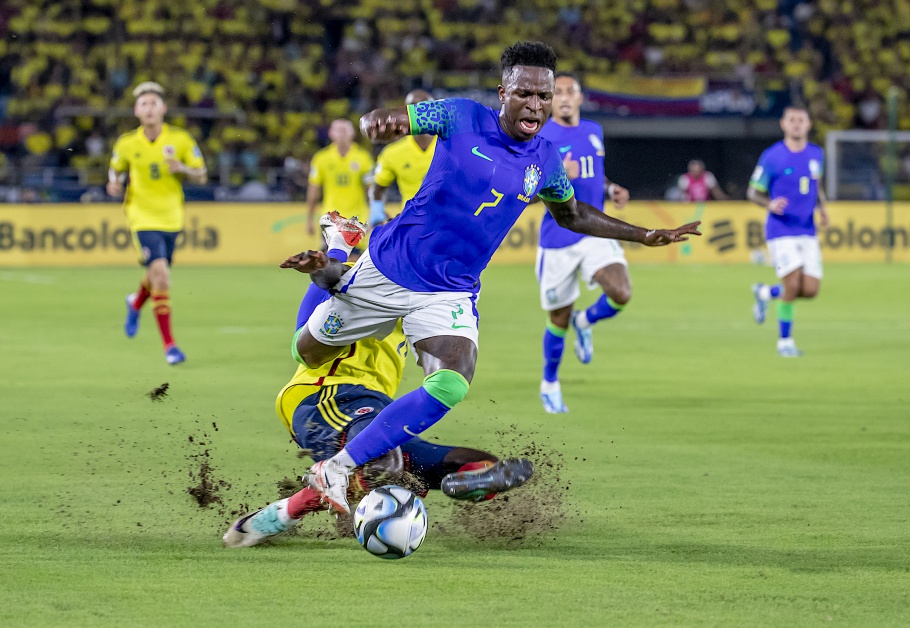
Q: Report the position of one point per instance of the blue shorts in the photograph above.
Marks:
(154, 245)
(325, 421)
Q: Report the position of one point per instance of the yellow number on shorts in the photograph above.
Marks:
(804, 185)
(483, 206)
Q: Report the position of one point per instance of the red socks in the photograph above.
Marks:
(142, 294)
(303, 502)
(161, 305)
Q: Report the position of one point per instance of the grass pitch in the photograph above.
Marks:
(710, 482)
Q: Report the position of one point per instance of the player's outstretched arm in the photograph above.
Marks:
(386, 125)
(325, 271)
(584, 218)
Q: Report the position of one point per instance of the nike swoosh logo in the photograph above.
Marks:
(480, 154)
(407, 431)
(565, 149)
(457, 326)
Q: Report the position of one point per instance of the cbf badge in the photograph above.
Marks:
(532, 180)
(332, 324)
(815, 169)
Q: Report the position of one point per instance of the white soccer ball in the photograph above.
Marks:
(390, 522)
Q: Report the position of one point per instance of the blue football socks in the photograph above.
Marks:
(554, 341)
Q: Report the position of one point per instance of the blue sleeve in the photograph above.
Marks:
(441, 117)
(557, 186)
(763, 173)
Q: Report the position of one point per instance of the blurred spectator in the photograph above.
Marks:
(698, 185)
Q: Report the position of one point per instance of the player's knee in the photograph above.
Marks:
(809, 292)
(621, 295)
(560, 317)
(303, 351)
(446, 386)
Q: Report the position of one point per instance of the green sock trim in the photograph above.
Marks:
(559, 332)
(446, 386)
(784, 310)
(294, 353)
(614, 304)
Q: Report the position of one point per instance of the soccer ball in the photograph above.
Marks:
(390, 522)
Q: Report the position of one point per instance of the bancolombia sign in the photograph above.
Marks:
(227, 233)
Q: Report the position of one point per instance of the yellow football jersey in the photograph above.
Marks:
(405, 162)
(374, 364)
(341, 179)
(154, 196)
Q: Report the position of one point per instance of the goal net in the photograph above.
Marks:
(861, 165)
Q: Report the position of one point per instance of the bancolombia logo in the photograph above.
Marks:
(100, 237)
(845, 237)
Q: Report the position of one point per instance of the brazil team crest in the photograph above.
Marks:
(332, 325)
(532, 180)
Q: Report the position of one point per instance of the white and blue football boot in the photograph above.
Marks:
(254, 528)
(760, 307)
(131, 326)
(786, 348)
(551, 396)
(584, 340)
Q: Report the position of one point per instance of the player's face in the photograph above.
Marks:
(795, 124)
(341, 132)
(567, 98)
(527, 99)
(695, 168)
(150, 109)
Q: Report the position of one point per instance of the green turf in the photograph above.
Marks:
(719, 484)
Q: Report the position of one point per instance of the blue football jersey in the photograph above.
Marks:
(795, 176)
(479, 182)
(586, 143)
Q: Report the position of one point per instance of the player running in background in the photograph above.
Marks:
(339, 173)
(157, 157)
(327, 406)
(424, 266)
(405, 162)
(786, 183)
(563, 254)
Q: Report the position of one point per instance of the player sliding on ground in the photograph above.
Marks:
(786, 183)
(425, 266)
(157, 157)
(563, 253)
(327, 406)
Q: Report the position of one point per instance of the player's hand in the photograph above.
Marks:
(307, 263)
(114, 188)
(663, 237)
(174, 166)
(823, 219)
(619, 196)
(570, 166)
(384, 125)
(777, 205)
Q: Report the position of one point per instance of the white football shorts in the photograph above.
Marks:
(792, 252)
(558, 269)
(369, 304)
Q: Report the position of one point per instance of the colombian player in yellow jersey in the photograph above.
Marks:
(404, 162)
(157, 158)
(339, 173)
(324, 407)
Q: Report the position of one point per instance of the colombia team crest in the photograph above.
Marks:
(532, 180)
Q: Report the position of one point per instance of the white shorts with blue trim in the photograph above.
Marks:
(558, 269)
(368, 304)
(790, 253)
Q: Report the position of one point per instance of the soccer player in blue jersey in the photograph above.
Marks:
(786, 183)
(563, 254)
(425, 266)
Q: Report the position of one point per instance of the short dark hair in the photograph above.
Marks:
(533, 53)
(570, 75)
(796, 107)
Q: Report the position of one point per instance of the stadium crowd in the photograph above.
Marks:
(263, 78)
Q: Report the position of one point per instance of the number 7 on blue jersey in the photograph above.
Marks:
(483, 206)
